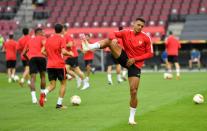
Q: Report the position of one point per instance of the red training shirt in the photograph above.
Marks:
(21, 45)
(68, 38)
(172, 45)
(53, 46)
(10, 47)
(35, 45)
(137, 46)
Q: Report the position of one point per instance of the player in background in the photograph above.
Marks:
(172, 46)
(109, 62)
(72, 61)
(10, 48)
(21, 45)
(138, 47)
(164, 59)
(195, 57)
(120, 42)
(88, 59)
(54, 49)
(37, 61)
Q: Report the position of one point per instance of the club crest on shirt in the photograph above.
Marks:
(140, 42)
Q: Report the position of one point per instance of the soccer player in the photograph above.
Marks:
(21, 45)
(88, 59)
(172, 46)
(54, 49)
(138, 47)
(37, 61)
(109, 62)
(10, 48)
(195, 56)
(72, 61)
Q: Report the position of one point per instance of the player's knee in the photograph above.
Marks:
(133, 92)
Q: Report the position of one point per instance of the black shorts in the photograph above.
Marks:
(110, 60)
(37, 64)
(11, 63)
(172, 58)
(56, 73)
(73, 62)
(88, 62)
(132, 70)
(25, 63)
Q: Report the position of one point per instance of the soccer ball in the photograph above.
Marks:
(16, 78)
(167, 76)
(75, 100)
(198, 99)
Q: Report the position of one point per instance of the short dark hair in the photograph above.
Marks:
(11, 36)
(120, 28)
(37, 30)
(58, 28)
(65, 27)
(170, 32)
(25, 31)
(140, 19)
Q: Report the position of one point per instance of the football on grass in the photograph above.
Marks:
(198, 99)
(75, 100)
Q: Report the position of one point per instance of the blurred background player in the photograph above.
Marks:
(120, 42)
(138, 47)
(110, 61)
(1, 41)
(21, 45)
(88, 59)
(54, 49)
(172, 46)
(195, 56)
(72, 61)
(164, 59)
(37, 61)
(10, 48)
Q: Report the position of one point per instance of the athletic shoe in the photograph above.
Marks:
(85, 86)
(69, 77)
(132, 123)
(34, 101)
(110, 82)
(61, 107)
(42, 99)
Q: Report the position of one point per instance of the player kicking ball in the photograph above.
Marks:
(138, 47)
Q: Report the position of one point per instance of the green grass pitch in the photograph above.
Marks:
(165, 105)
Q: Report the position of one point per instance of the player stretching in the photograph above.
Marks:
(138, 47)
(21, 44)
(54, 48)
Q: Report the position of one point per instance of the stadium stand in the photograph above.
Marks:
(195, 28)
(8, 9)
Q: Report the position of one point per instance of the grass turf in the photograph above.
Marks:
(165, 105)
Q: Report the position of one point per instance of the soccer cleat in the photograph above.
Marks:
(110, 82)
(120, 80)
(34, 100)
(85, 86)
(28, 82)
(69, 77)
(132, 123)
(42, 99)
(61, 107)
